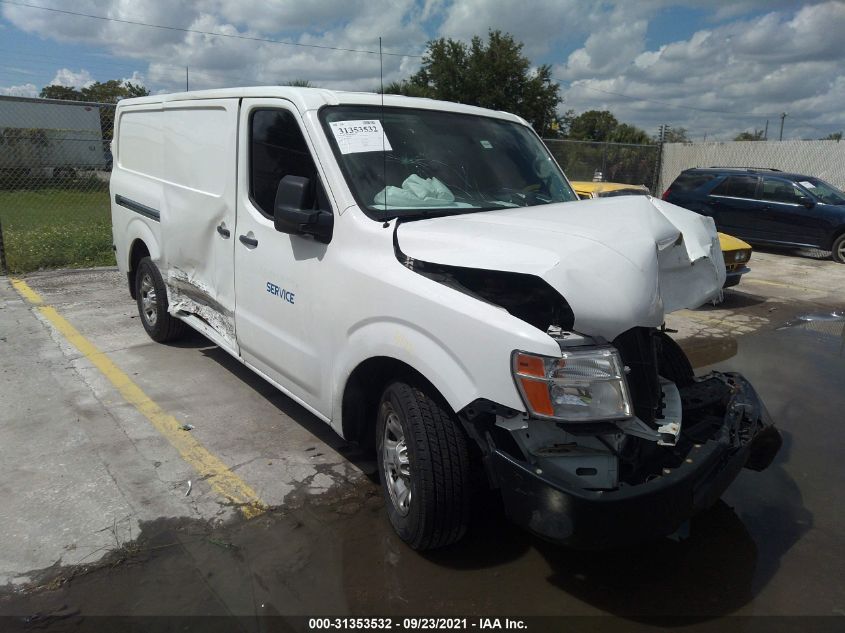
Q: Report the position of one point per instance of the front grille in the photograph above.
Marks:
(638, 349)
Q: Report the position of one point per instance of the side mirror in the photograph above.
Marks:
(808, 202)
(293, 210)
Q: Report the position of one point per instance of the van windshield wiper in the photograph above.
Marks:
(439, 213)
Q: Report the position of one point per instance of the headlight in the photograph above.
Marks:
(582, 386)
(741, 256)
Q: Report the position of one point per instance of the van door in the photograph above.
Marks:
(198, 211)
(281, 279)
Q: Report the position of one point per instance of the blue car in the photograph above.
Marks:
(766, 206)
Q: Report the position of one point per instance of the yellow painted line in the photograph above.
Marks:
(26, 292)
(222, 480)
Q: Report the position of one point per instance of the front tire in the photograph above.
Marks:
(424, 464)
(151, 296)
(838, 250)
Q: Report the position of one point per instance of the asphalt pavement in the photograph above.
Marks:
(140, 478)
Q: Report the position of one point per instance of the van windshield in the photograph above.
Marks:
(402, 162)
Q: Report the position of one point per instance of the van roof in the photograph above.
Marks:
(315, 98)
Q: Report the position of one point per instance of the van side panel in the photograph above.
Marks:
(135, 182)
(198, 215)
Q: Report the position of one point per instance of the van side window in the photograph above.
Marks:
(737, 187)
(278, 149)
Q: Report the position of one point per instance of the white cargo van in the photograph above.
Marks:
(413, 273)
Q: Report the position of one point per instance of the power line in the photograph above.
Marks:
(199, 32)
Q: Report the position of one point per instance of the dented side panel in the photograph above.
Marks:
(187, 295)
(198, 260)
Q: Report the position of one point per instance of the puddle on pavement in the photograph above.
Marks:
(336, 554)
(709, 351)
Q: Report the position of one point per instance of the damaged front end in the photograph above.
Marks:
(618, 441)
(624, 478)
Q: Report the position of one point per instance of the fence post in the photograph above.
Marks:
(3, 269)
(658, 169)
(604, 161)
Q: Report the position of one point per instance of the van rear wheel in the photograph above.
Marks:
(424, 464)
(151, 296)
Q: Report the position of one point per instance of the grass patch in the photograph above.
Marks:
(56, 228)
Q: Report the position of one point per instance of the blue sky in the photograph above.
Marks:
(715, 68)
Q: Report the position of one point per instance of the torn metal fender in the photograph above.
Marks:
(186, 294)
(618, 262)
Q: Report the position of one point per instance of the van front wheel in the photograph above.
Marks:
(424, 464)
(151, 296)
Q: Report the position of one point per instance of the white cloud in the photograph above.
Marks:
(750, 56)
(66, 77)
(136, 79)
(608, 51)
(24, 90)
(747, 70)
(539, 24)
(216, 61)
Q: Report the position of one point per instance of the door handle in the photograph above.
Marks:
(221, 228)
(248, 241)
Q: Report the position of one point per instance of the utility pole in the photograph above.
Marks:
(186, 79)
(766, 131)
(782, 117)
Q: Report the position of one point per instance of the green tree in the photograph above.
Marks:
(406, 88)
(64, 93)
(299, 83)
(491, 74)
(676, 135)
(113, 91)
(836, 136)
(624, 133)
(756, 135)
(110, 91)
(592, 125)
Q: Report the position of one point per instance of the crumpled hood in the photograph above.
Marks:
(618, 262)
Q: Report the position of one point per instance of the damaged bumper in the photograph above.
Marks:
(733, 276)
(576, 517)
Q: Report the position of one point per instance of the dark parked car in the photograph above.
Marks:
(766, 206)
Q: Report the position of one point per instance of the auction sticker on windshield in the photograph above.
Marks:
(360, 136)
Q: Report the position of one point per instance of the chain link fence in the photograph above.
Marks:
(55, 162)
(616, 162)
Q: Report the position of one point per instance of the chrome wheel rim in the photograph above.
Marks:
(149, 301)
(841, 251)
(397, 466)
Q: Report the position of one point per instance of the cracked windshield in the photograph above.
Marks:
(428, 163)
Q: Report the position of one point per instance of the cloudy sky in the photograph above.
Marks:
(714, 67)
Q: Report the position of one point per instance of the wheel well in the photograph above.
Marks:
(137, 252)
(363, 391)
(837, 234)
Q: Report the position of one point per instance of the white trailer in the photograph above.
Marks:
(47, 134)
